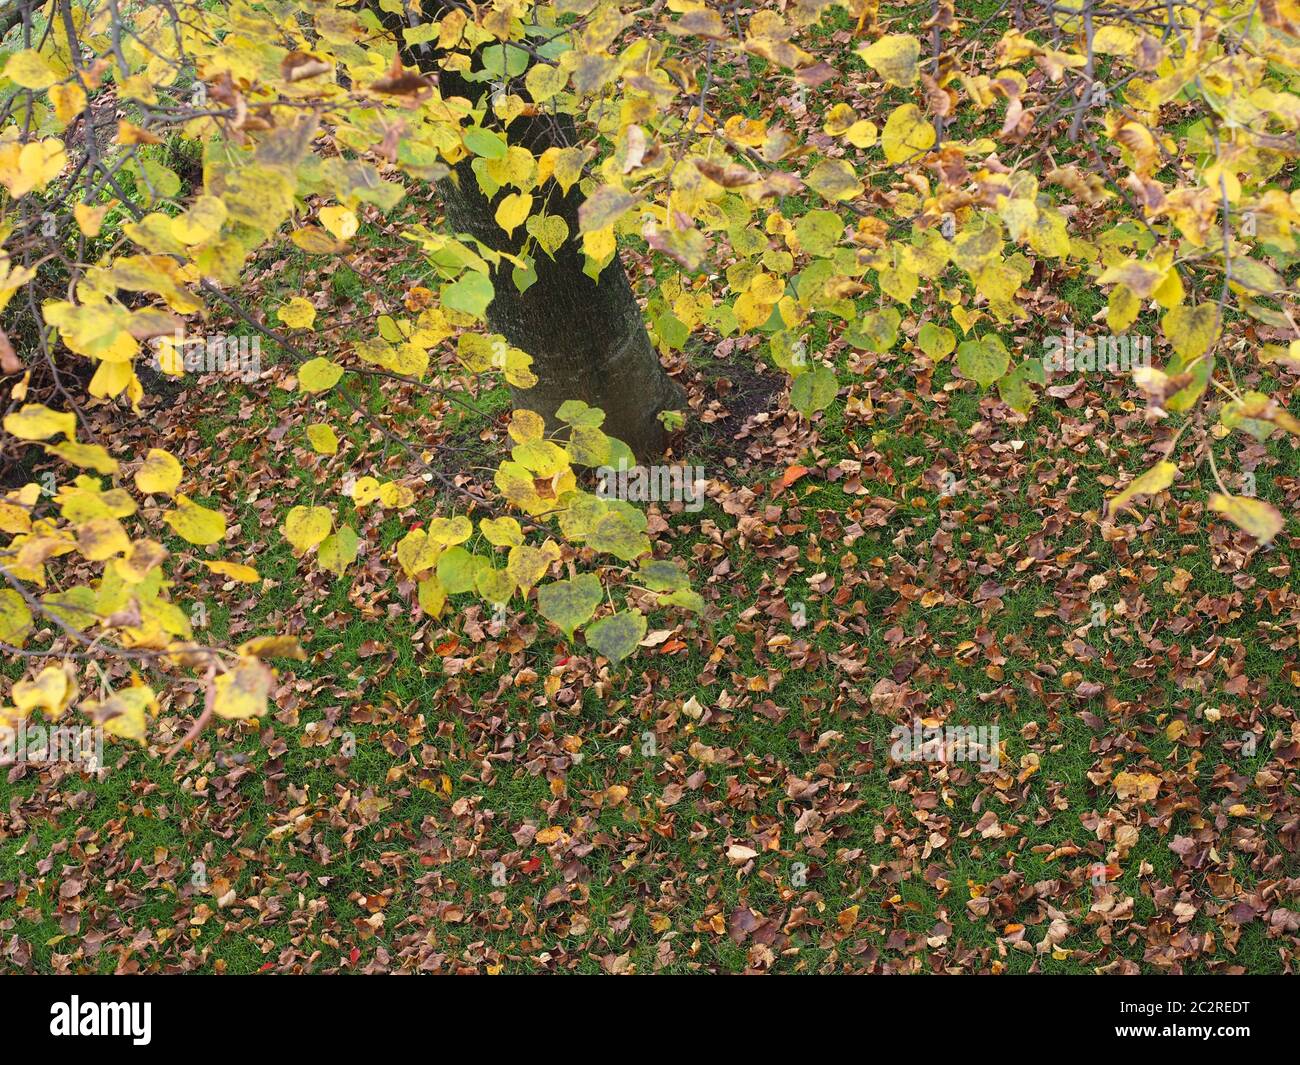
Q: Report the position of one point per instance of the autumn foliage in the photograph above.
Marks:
(1143, 151)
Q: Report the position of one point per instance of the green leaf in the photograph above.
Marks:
(588, 446)
(1192, 332)
(663, 575)
(937, 341)
(549, 230)
(819, 232)
(615, 534)
(458, 570)
(673, 332)
(878, 331)
(983, 360)
(524, 277)
(576, 412)
(617, 636)
(570, 603)
(338, 551)
(470, 295)
(814, 391)
(1014, 387)
(485, 143)
(684, 598)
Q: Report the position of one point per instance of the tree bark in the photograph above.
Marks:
(587, 338)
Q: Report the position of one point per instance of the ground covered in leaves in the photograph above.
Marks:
(469, 795)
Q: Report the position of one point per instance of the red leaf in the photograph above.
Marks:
(792, 474)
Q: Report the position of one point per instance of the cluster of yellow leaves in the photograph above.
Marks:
(129, 600)
(960, 227)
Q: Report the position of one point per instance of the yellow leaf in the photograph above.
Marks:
(550, 230)
(450, 531)
(111, 379)
(417, 553)
(196, 523)
(501, 532)
(1154, 480)
(341, 222)
(526, 425)
(280, 646)
(838, 119)
(392, 494)
(298, 313)
(543, 81)
(528, 565)
(24, 167)
(201, 222)
(605, 206)
(1261, 520)
(315, 241)
(90, 220)
(129, 134)
(87, 456)
(323, 438)
(566, 166)
(69, 100)
(35, 421)
(366, 490)
(305, 527)
(102, 538)
(1142, 277)
(52, 690)
(242, 693)
(599, 244)
(29, 69)
(159, 474)
(15, 618)
(234, 570)
(16, 516)
(835, 179)
(862, 134)
(513, 210)
(1114, 40)
(317, 375)
(1142, 786)
(1191, 330)
(907, 134)
(123, 713)
(142, 557)
(431, 595)
(894, 58)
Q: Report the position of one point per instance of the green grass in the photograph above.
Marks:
(653, 864)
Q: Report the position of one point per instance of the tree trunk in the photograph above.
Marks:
(587, 338)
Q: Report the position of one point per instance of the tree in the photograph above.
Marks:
(585, 333)
(554, 131)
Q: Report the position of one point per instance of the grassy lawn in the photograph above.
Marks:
(740, 730)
